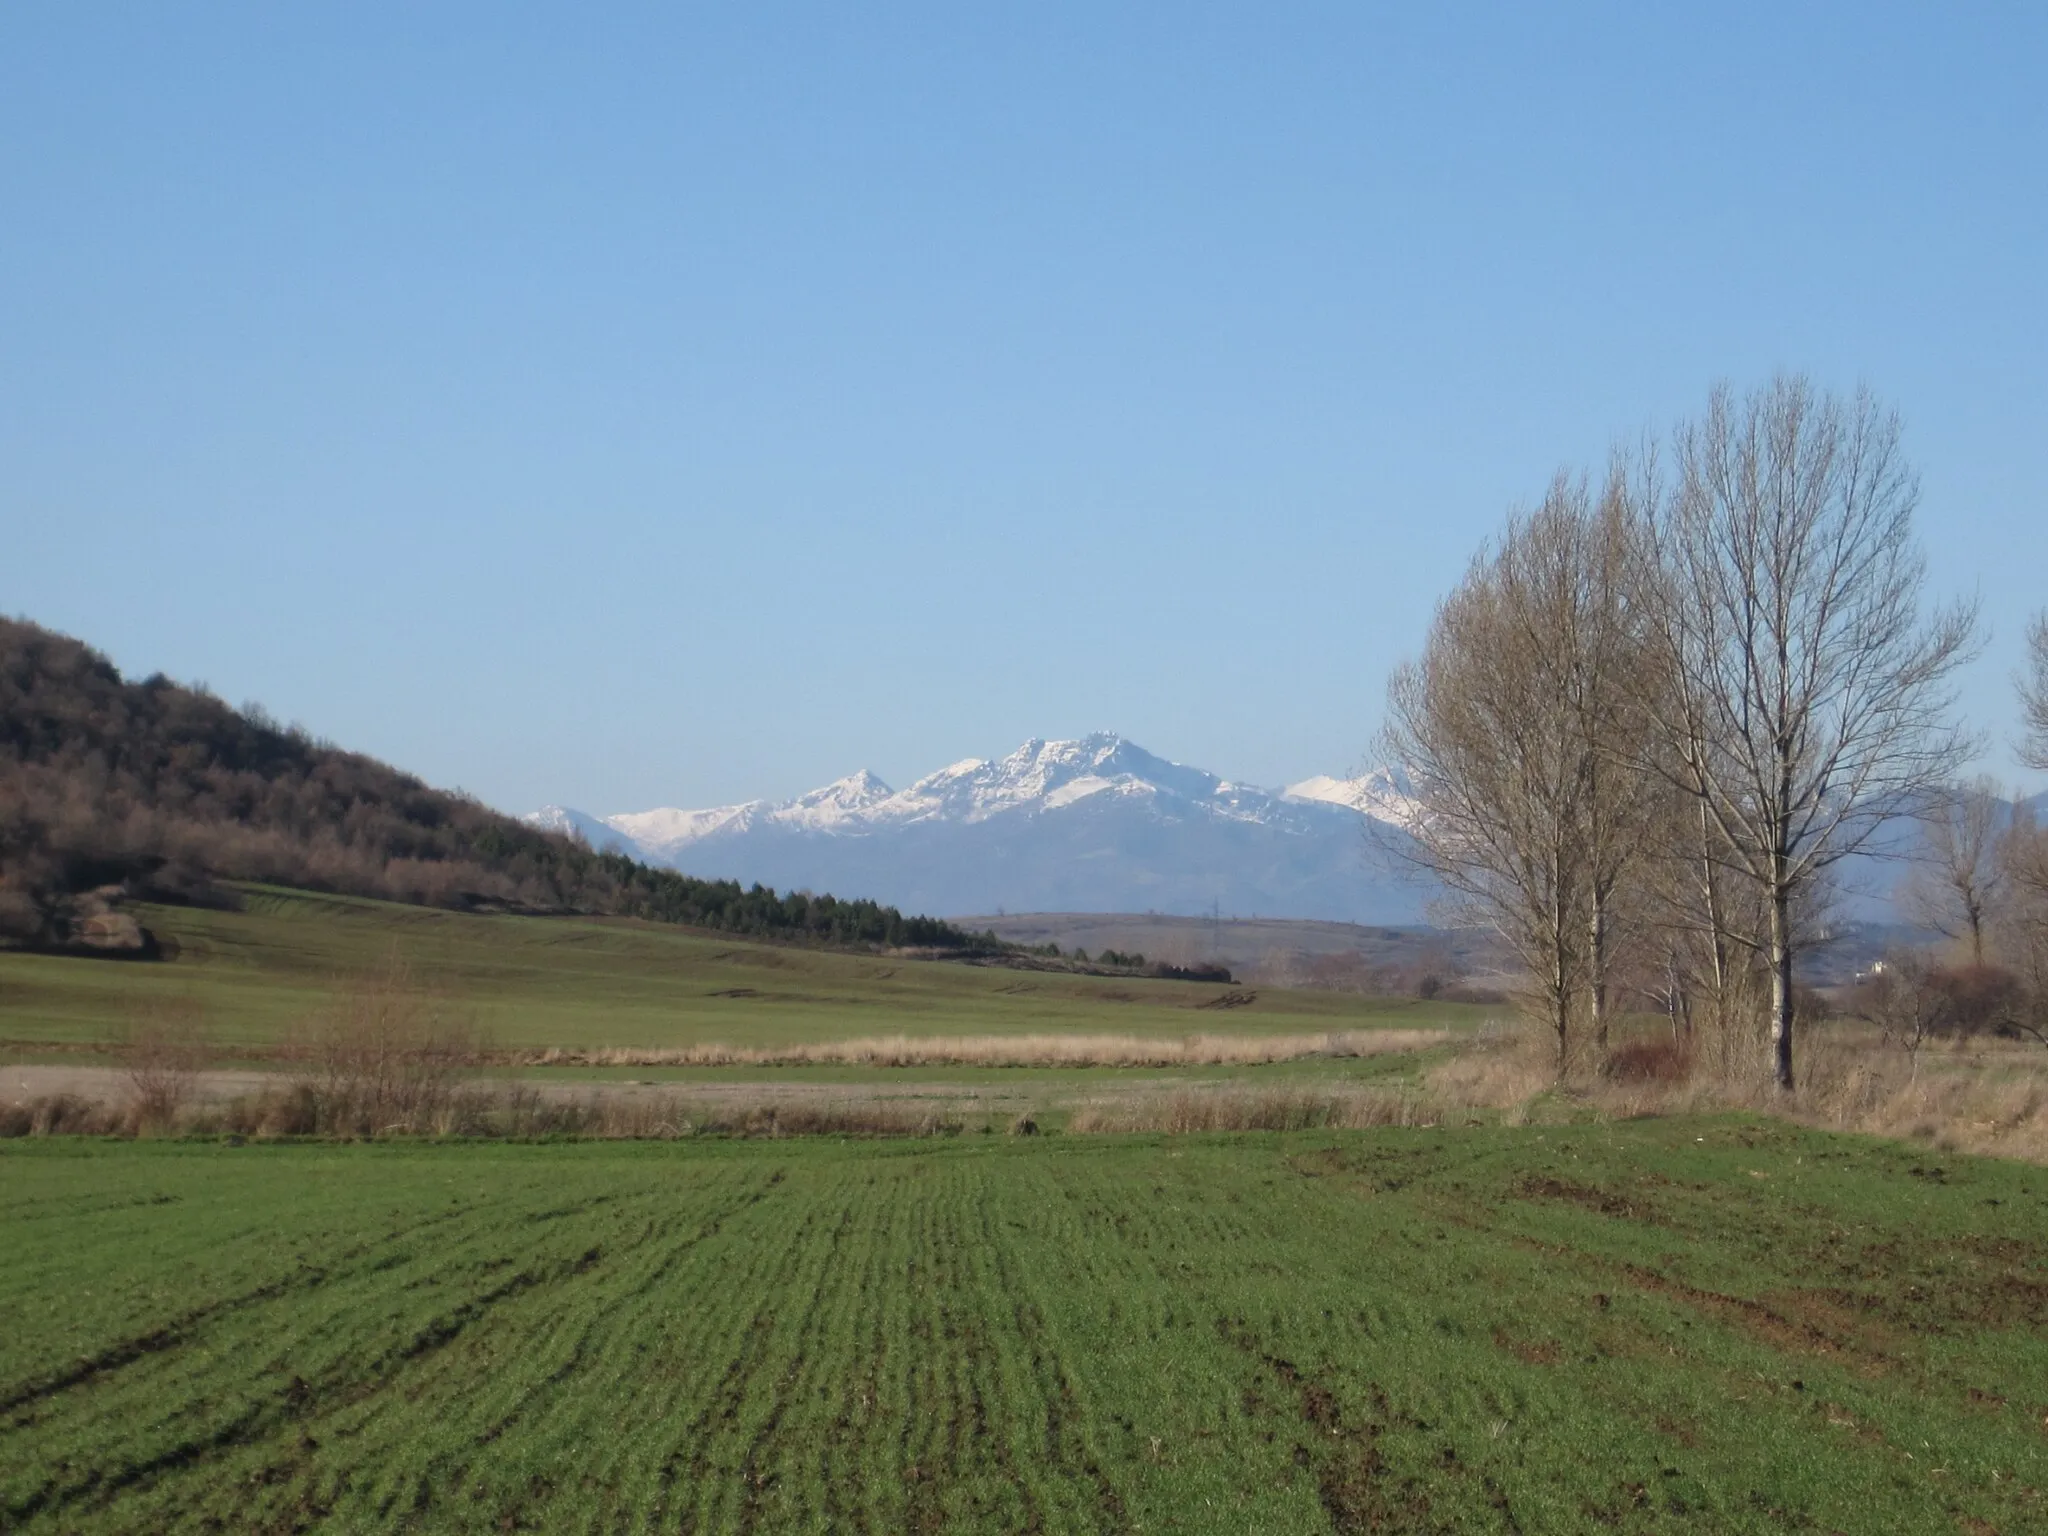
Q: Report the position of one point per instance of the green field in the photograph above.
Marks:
(1704, 1325)
(585, 982)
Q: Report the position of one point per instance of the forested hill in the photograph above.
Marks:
(164, 792)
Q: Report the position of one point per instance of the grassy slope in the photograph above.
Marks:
(1670, 1326)
(595, 982)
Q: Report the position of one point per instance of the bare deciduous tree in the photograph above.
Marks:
(1906, 1004)
(1809, 697)
(2034, 696)
(1958, 884)
(1505, 729)
(2022, 928)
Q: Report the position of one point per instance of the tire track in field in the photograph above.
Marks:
(1359, 1492)
(609, 1323)
(180, 1329)
(655, 1238)
(642, 1289)
(264, 1418)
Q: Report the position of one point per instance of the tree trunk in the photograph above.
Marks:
(1710, 887)
(1596, 975)
(1781, 985)
(1561, 1021)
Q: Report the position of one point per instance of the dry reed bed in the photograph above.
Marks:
(1006, 1051)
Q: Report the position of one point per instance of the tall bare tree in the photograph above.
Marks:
(2023, 851)
(1960, 880)
(2034, 696)
(1505, 728)
(1614, 682)
(1809, 696)
(2023, 919)
(1707, 918)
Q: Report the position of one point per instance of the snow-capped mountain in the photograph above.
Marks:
(1382, 794)
(1094, 825)
(839, 807)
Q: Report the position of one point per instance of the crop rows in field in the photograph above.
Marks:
(1482, 1330)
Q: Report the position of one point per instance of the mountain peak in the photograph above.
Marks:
(850, 796)
(859, 787)
(1382, 794)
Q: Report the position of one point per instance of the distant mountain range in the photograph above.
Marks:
(1094, 825)
(1102, 825)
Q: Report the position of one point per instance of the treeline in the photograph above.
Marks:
(162, 791)
(1116, 962)
(669, 897)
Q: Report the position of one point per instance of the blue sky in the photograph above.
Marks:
(680, 404)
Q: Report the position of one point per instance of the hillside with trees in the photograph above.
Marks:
(111, 788)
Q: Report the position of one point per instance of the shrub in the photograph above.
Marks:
(1650, 1058)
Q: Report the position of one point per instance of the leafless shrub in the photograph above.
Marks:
(163, 1051)
(654, 1116)
(1658, 1057)
(63, 1114)
(385, 1055)
(845, 1119)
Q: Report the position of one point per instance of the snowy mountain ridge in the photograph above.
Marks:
(1038, 778)
(1096, 824)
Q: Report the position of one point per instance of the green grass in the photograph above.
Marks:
(1709, 1325)
(536, 981)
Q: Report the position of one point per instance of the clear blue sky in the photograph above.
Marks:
(679, 404)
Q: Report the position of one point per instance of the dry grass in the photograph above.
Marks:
(503, 1111)
(1234, 1109)
(1983, 1096)
(1503, 1067)
(1008, 1051)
